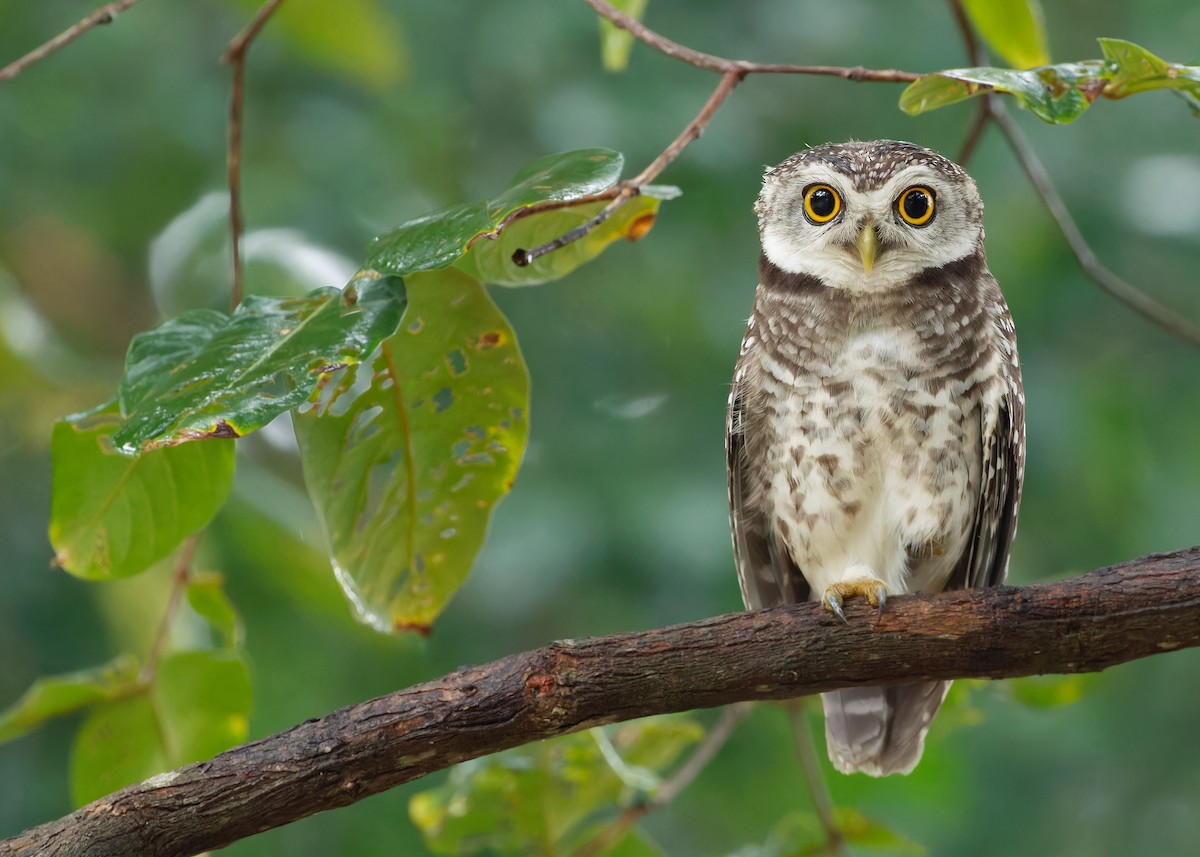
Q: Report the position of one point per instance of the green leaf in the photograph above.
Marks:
(1051, 93)
(206, 595)
(208, 375)
(491, 258)
(203, 699)
(547, 798)
(114, 516)
(406, 456)
(616, 43)
(1013, 28)
(1058, 93)
(865, 833)
(438, 239)
(118, 744)
(1135, 69)
(55, 696)
(197, 706)
(800, 834)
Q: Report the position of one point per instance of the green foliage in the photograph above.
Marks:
(550, 798)
(616, 43)
(1050, 691)
(206, 595)
(800, 834)
(1013, 28)
(438, 239)
(406, 456)
(206, 375)
(55, 696)
(114, 516)
(490, 259)
(1058, 93)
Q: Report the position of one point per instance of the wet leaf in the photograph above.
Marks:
(616, 43)
(55, 696)
(1058, 93)
(1014, 29)
(203, 702)
(491, 258)
(114, 516)
(550, 797)
(207, 375)
(406, 456)
(206, 595)
(438, 239)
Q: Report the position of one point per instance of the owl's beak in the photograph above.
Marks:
(868, 245)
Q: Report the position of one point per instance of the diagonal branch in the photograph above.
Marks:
(732, 73)
(1116, 614)
(1127, 293)
(106, 14)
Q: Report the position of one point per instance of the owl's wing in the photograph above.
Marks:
(1002, 436)
(765, 569)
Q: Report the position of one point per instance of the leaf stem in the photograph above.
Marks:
(235, 56)
(179, 581)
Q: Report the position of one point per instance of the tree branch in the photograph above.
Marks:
(1084, 624)
(106, 14)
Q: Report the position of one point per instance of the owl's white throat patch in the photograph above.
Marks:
(838, 266)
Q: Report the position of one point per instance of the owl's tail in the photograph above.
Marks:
(880, 730)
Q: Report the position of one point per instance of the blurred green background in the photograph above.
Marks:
(363, 114)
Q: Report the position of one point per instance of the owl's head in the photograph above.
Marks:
(868, 216)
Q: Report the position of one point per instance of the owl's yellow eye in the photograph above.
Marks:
(915, 206)
(821, 203)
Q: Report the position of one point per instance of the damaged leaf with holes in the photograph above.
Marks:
(440, 238)
(406, 456)
(209, 375)
(553, 796)
(1059, 93)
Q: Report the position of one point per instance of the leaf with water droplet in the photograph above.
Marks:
(405, 456)
(208, 375)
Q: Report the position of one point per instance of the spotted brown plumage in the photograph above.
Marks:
(876, 422)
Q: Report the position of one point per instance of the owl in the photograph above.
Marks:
(876, 425)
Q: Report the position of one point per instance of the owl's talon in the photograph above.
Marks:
(875, 591)
(833, 603)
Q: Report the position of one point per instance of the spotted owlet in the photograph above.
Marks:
(876, 435)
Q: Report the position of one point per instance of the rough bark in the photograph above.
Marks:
(1084, 624)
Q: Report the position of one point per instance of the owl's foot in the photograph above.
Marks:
(870, 588)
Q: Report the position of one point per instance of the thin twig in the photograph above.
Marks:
(235, 56)
(806, 751)
(731, 717)
(732, 73)
(628, 190)
(104, 15)
(1127, 293)
(179, 580)
(983, 116)
(723, 65)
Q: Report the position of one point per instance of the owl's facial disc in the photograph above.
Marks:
(863, 224)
